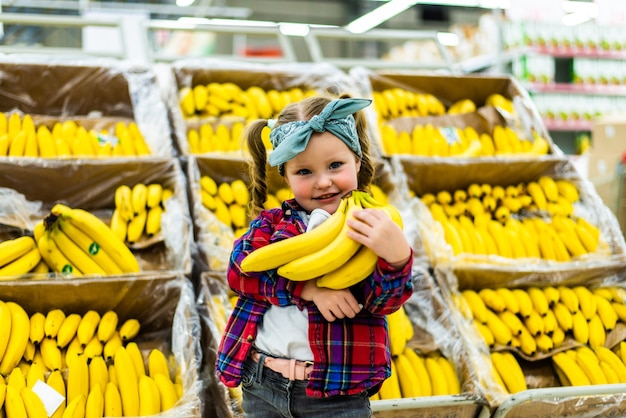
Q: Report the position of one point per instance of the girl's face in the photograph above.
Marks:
(321, 174)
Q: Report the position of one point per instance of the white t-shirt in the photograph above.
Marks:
(284, 331)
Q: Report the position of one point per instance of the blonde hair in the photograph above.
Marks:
(302, 110)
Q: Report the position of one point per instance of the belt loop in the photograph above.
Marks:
(259, 368)
(292, 369)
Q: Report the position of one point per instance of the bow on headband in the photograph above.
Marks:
(290, 139)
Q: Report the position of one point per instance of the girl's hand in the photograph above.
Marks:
(374, 229)
(332, 304)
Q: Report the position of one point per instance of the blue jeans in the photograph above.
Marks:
(267, 394)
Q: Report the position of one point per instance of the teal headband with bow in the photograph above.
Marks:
(290, 139)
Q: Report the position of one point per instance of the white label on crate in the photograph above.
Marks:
(609, 131)
(51, 398)
(450, 134)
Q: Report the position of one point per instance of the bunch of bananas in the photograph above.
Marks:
(218, 137)
(326, 252)
(507, 372)
(414, 374)
(75, 242)
(138, 211)
(591, 366)
(230, 100)
(19, 137)
(89, 360)
(20, 256)
(451, 141)
(228, 201)
(397, 102)
(528, 220)
(537, 320)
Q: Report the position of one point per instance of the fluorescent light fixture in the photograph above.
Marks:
(184, 3)
(225, 22)
(590, 9)
(379, 15)
(448, 38)
(294, 29)
(576, 18)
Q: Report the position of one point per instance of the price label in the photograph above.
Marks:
(536, 10)
(611, 12)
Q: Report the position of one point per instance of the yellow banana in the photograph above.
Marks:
(396, 323)
(139, 198)
(454, 384)
(153, 221)
(154, 195)
(605, 354)
(72, 351)
(76, 408)
(360, 266)
(157, 363)
(538, 195)
(501, 332)
(569, 298)
(167, 391)
(107, 326)
(528, 344)
(94, 406)
(549, 187)
(281, 252)
(118, 226)
(540, 302)
(53, 321)
(563, 316)
(90, 247)
(409, 384)
(334, 254)
(87, 326)
(591, 366)
(512, 321)
(20, 330)
(14, 404)
(112, 401)
(137, 358)
(11, 250)
(569, 368)
(51, 354)
(100, 233)
(597, 334)
(77, 379)
(492, 299)
(55, 381)
(67, 329)
(36, 332)
(129, 329)
(418, 365)
(93, 348)
(511, 302)
(476, 304)
(136, 227)
(33, 403)
(98, 372)
(108, 351)
(550, 322)
(149, 396)
(580, 328)
(127, 381)
(534, 323)
(586, 301)
(485, 333)
(509, 370)
(77, 256)
(437, 377)
(544, 343)
(22, 265)
(124, 202)
(606, 313)
(16, 378)
(524, 301)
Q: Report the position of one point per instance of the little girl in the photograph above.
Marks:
(300, 350)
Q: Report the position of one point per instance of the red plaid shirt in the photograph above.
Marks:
(350, 355)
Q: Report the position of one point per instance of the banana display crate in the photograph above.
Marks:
(433, 178)
(31, 188)
(595, 391)
(171, 325)
(244, 98)
(504, 122)
(434, 334)
(214, 306)
(96, 94)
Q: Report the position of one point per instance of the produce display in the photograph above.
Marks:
(92, 361)
(526, 220)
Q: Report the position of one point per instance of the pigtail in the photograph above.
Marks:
(257, 168)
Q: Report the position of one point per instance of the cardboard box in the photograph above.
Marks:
(87, 91)
(31, 188)
(170, 324)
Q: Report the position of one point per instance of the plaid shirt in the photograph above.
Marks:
(350, 355)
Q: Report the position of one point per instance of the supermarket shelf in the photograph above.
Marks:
(567, 126)
(562, 52)
(592, 89)
(448, 405)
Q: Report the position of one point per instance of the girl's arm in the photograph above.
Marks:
(266, 285)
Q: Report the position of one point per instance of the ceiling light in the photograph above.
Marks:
(294, 29)
(379, 15)
(577, 18)
(184, 3)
